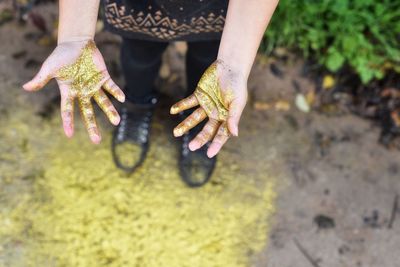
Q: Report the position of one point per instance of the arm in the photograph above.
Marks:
(222, 90)
(79, 68)
(77, 20)
(245, 26)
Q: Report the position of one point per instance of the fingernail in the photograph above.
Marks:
(68, 133)
(178, 132)
(26, 86)
(210, 155)
(173, 110)
(121, 98)
(116, 120)
(235, 131)
(193, 146)
(96, 139)
(68, 129)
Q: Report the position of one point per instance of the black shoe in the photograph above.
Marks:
(195, 167)
(130, 141)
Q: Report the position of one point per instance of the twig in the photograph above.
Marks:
(395, 209)
(313, 262)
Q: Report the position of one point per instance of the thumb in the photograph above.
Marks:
(235, 112)
(40, 80)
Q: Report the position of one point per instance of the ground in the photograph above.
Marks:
(295, 189)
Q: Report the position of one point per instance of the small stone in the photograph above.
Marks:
(324, 222)
(343, 249)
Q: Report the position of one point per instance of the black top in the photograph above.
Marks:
(166, 20)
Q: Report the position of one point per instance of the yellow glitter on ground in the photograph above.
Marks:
(128, 153)
(82, 212)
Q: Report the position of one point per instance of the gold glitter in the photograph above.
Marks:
(195, 118)
(82, 212)
(83, 75)
(225, 131)
(128, 153)
(209, 95)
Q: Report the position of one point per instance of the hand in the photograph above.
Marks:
(222, 95)
(81, 73)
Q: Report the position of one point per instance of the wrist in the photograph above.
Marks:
(236, 65)
(74, 39)
(233, 70)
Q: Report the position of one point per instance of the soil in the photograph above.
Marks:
(336, 187)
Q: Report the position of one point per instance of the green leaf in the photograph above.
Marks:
(335, 60)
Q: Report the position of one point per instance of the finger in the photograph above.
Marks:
(235, 112)
(40, 79)
(105, 104)
(67, 109)
(67, 114)
(195, 118)
(219, 140)
(89, 119)
(184, 104)
(111, 87)
(207, 133)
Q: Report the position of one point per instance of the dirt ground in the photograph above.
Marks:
(334, 186)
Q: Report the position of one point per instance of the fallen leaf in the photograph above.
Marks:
(301, 103)
(282, 105)
(46, 40)
(261, 105)
(395, 117)
(390, 92)
(328, 82)
(310, 97)
(280, 51)
(38, 21)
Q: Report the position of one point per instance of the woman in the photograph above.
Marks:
(223, 39)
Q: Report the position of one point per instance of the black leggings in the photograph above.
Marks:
(141, 61)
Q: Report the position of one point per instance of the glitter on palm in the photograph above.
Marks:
(209, 95)
(83, 75)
